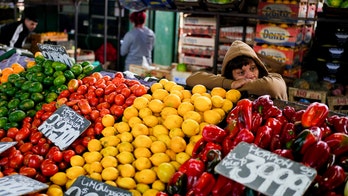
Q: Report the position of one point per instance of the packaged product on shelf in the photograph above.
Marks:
(286, 10)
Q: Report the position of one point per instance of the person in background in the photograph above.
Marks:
(138, 42)
(15, 34)
(243, 70)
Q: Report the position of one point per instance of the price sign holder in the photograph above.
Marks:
(266, 172)
(87, 186)
(6, 145)
(64, 126)
(17, 184)
(55, 53)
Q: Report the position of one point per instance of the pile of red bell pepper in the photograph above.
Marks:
(309, 136)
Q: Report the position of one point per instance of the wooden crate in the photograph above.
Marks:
(338, 104)
(311, 95)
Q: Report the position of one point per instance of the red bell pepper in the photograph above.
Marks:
(256, 121)
(177, 183)
(315, 115)
(275, 143)
(317, 132)
(338, 123)
(299, 114)
(244, 113)
(238, 189)
(316, 155)
(213, 133)
(198, 147)
(272, 112)
(204, 184)
(289, 113)
(262, 104)
(263, 137)
(287, 153)
(338, 143)
(303, 141)
(332, 178)
(193, 168)
(213, 157)
(222, 186)
(275, 125)
(227, 143)
(244, 135)
(287, 135)
(203, 155)
(232, 116)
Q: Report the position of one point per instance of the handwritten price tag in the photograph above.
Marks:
(55, 53)
(16, 184)
(265, 171)
(64, 126)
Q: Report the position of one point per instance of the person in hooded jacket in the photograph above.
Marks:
(15, 34)
(242, 69)
(138, 42)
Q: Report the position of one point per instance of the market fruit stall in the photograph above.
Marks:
(154, 137)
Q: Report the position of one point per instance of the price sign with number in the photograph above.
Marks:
(55, 53)
(89, 187)
(265, 171)
(16, 184)
(64, 126)
(6, 145)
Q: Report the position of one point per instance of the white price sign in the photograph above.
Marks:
(265, 171)
(6, 145)
(16, 184)
(55, 53)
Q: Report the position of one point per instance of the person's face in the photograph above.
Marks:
(31, 25)
(249, 71)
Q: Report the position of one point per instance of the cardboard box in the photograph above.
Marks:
(338, 104)
(311, 95)
(198, 41)
(197, 50)
(193, 60)
(199, 30)
(282, 10)
(200, 21)
(287, 55)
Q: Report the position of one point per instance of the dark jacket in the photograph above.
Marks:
(271, 83)
(14, 34)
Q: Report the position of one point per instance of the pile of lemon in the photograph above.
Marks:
(156, 135)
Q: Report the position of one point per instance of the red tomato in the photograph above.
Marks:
(81, 90)
(109, 88)
(110, 98)
(91, 89)
(2, 133)
(79, 149)
(129, 101)
(99, 92)
(49, 169)
(16, 161)
(61, 101)
(140, 90)
(43, 149)
(9, 171)
(93, 101)
(117, 81)
(100, 82)
(49, 107)
(22, 134)
(104, 111)
(86, 139)
(130, 82)
(120, 87)
(90, 94)
(67, 154)
(84, 106)
(119, 75)
(46, 115)
(41, 178)
(119, 99)
(6, 139)
(63, 165)
(103, 105)
(27, 171)
(71, 103)
(89, 131)
(35, 161)
(35, 137)
(26, 147)
(97, 75)
(12, 132)
(94, 114)
(73, 84)
(98, 128)
(126, 92)
(50, 152)
(4, 161)
(27, 119)
(64, 94)
(117, 110)
(107, 78)
(89, 80)
(57, 156)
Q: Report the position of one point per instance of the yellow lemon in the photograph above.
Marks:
(168, 85)
(107, 131)
(126, 137)
(87, 167)
(202, 103)
(140, 102)
(194, 96)
(96, 176)
(134, 120)
(220, 111)
(233, 95)
(186, 94)
(125, 157)
(126, 183)
(125, 146)
(201, 126)
(185, 107)
(166, 111)
(173, 121)
(140, 129)
(218, 91)
(93, 157)
(59, 178)
(147, 96)
(212, 117)
(227, 105)
(109, 161)
(142, 152)
(141, 187)
(159, 129)
(156, 86)
(160, 94)
(146, 176)
(207, 95)
(156, 105)
(163, 81)
(176, 164)
(74, 172)
(193, 115)
(189, 148)
(109, 151)
(111, 140)
(199, 88)
(143, 112)
(110, 173)
(195, 138)
(165, 138)
(158, 158)
(95, 167)
(177, 92)
(69, 183)
(142, 141)
(142, 163)
(172, 100)
(165, 171)
(190, 127)
(129, 112)
(150, 192)
(158, 185)
(151, 121)
(176, 87)
(77, 160)
(126, 170)
(158, 146)
(217, 101)
(135, 192)
(176, 132)
(109, 182)
(178, 144)
(171, 154)
(94, 145)
(54, 190)
(122, 127)
(108, 120)
(181, 157)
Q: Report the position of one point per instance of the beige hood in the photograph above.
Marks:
(239, 48)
